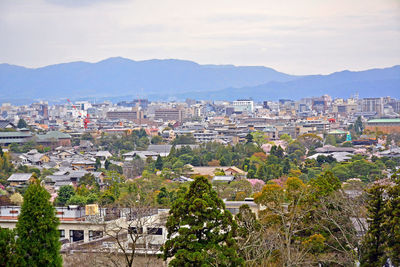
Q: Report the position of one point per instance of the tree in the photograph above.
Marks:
(17, 199)
(7, 247)
(64, 194)
(155, 140)
(330, 140)
(159, 163)
(97, 165)
(373, 253)
(310, 140)
(358, 126)
(22, 124)
(201, 231)
(392, 223)
(38, 238)
(107, 164)
(249, 138)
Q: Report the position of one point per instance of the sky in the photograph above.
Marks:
(292, 36)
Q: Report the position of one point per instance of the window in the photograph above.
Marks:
(95, 234)
(136, 230)
(154, 231)
(62, 233)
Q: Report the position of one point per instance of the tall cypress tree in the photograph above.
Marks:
(373, 252)
(393, 220)
(38, 238)
(200, 230)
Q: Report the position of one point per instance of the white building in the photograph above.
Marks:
(243, 105)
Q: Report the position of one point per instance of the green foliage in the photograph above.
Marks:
(22, 124)
(330, 140)
(185, 139)
(156, 140)
(358, 126)
(200, 230)
(8, 251)
(64, 194)
(159, 163)
(38, 238)
(77, 200)
(373, 253)
(97, 165)
(392, 223)
(137, 140)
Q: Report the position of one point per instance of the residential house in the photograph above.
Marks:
(20, 179)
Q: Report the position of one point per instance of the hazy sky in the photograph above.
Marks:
(293, 36)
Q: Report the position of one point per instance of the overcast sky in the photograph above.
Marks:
(292, 36)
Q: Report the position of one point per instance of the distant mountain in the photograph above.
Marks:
(117, 78)
(120, 76)
(369, 83)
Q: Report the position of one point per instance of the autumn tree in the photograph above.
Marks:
(201, 231)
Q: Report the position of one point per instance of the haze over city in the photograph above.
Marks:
(295, 37)
(200, 133)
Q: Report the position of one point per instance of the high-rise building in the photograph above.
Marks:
(169, 114)
(243, 105)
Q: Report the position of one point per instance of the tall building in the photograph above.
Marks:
(243, 105)
(372, 105)
(169, 114)
(129, 115)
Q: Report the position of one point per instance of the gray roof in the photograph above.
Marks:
(19, 177)
(15, 134)
(5, 123)
(227, 178)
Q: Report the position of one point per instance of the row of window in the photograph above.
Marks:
(150, 231)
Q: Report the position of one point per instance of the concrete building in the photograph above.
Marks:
(372, 105)
(169, 114)
(243, 105)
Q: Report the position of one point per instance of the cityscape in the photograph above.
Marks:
(170, 162)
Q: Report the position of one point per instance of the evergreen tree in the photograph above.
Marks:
(249, 138)
(38, 238)
(97, 165)
(22, 124)
(200, 230)
(393, 220)
(358, 126)
(286, 166)
(64, 194)
(374, 240)
(107, 164)
(8, 255)
(159, 163)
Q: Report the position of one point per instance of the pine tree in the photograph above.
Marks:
(38, 238)
(200, 230)
(373, 253)
(22, 124)
(159, 163)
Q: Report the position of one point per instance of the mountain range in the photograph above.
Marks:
(179, 79)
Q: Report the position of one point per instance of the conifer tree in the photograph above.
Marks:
(373, 253)
(159, 163)
(7, 247)
(393, 220)
(200, 230)
(38, 238)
